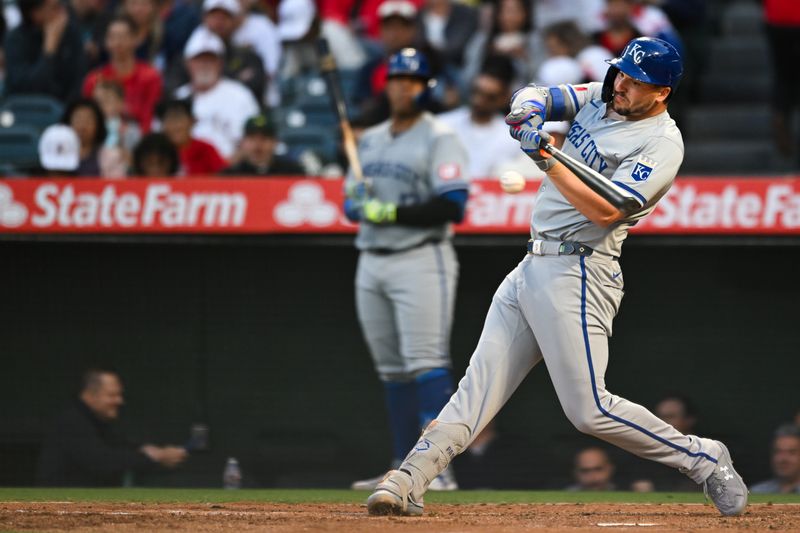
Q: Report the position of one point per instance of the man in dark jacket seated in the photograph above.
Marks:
(84, 448)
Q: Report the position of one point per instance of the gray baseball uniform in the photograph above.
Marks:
(406, 277)
(559, 308)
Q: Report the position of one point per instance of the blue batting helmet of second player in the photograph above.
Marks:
(646, 59)
(409, 62)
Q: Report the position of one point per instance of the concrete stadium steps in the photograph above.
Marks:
(735, 88)
(731, 54)
(729, 156)
(721, 122)
(743, 18)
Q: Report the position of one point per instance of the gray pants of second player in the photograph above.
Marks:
(558, 309)
(405, 306)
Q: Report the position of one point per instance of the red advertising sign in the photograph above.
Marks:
(692, 206)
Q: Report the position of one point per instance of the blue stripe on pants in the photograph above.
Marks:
(594, 384)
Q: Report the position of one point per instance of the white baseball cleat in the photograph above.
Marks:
(725, 487)
(392, 496)
(445, 481)
(367, 484)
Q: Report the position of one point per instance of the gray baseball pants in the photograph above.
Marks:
(556, 308)
(405, 305)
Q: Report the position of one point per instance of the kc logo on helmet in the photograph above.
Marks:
(12, 214)
(636, 52)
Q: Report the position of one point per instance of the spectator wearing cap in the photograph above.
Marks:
(155, 157)
(258, 152)
(44, 54)
(142, 83)
(241, 63)
(298, 27)
(198, 158)
(59, 151)
(400, 28)
(220, 105)
(785, 463)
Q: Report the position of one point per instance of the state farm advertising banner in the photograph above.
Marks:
(692, 206)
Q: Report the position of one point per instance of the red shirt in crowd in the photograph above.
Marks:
(199, 158)
(782, 12)
(142, 90)
(340, 11)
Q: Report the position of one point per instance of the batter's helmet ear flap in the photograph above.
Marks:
(608, 84)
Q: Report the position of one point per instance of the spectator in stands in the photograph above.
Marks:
(257, 31)
(341, 35)
(566, 42)
(44, 55)
(123, 133)
(482, 123)
(628, 19)
(399, 29)
(593, 471)
(679, 412)
(59, 151)
(785, 463)
(91, 19)
(179, 18)
(448, 26)
(148, 26)
(198, 158)
(241, 63)
(86, 119)
(258, 152)
(155, 157)
(141, 82)
(298, 27)
(221, 106)
(84, 448)
(783, 32)
(511, 35)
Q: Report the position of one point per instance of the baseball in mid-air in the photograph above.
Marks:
(512, 182)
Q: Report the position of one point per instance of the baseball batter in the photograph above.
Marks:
(407, 269)
(559, 303)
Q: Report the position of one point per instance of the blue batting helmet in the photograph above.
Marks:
(409, 62)
(645, 59)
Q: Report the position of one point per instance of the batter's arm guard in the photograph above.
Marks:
(561, 102)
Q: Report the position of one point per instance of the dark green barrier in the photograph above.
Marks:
(260, 341)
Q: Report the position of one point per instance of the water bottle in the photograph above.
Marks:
(232, 475)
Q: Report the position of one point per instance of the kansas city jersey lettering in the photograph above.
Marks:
(392, 170)
(582, 140)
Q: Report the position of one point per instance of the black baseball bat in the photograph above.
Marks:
(593, 179)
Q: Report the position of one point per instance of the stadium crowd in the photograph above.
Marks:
(207, 87)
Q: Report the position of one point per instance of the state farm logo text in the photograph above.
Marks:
(159, 205)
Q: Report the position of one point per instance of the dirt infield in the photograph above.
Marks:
(65, 516)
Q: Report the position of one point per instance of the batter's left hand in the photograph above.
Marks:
(379, 212)
(525, 125)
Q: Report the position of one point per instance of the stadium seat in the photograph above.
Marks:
(321, 143)
(30, 110)
(19, 146)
